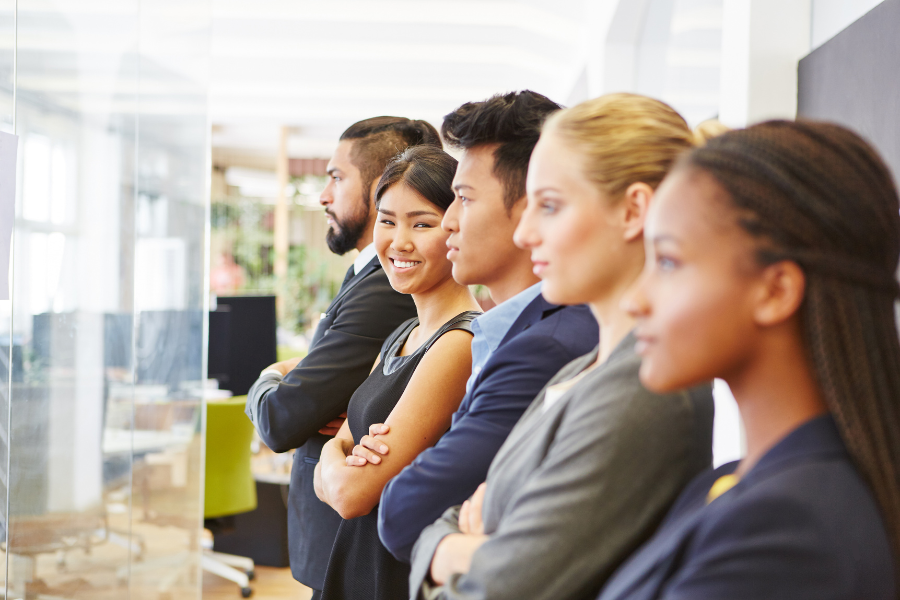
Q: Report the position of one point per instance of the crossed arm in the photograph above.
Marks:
(418, 420)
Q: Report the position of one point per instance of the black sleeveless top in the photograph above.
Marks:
(360, 566)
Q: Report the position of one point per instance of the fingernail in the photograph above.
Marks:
(383, 449)
(376, 459)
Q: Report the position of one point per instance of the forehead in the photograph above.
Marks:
(342, 157)
(691, 205)
(401, 199)
(476, 167)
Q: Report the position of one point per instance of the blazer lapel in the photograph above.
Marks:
(536, 310)
(371, 267)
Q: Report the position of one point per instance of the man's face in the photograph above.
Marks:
(481, 229)
(346, 201)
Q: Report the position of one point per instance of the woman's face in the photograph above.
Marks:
(696, 299)
(574, 231)
(409, 240)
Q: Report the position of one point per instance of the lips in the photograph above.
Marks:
(643, 344)
(538, 266)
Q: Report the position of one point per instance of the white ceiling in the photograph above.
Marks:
(319, 66)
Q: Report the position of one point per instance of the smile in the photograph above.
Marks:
(404, 264)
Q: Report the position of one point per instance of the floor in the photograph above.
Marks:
(270, 583)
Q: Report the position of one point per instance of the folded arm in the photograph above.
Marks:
(604, 485)
(288, 411)
(418, 420)
(448, 473)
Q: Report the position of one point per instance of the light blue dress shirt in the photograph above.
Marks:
(491, 327)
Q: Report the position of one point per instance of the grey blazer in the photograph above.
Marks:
(578, 487)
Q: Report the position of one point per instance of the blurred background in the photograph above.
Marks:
(170, 156)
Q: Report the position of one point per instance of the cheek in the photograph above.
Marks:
(575, 246)
(698, 336)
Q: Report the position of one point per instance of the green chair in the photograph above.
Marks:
(230, 488)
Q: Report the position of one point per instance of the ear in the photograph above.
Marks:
(634, 209)
(783, 287)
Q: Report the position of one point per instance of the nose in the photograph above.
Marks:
(326, 197)
(636, 302)
(526, 235)
(402, 241)
(450, 222)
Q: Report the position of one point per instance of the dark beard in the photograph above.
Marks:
(349, 231)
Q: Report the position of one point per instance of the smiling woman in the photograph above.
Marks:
(417, 383)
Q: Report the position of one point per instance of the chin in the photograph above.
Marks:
(660, 382)
(555, 295)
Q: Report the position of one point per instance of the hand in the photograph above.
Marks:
(470, 521)
(334, 425)
(285, 366)
(454, 555)
(370, 450)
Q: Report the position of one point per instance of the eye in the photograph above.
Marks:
(386, 222)
(549, 207)
(666, 263)
(463, 199)
(335, 178)
(422, 226)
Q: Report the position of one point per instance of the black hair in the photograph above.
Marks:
(818, 195)
(513, 121)
(426, 170)
(379, 139)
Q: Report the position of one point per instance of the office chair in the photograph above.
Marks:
(230, 488)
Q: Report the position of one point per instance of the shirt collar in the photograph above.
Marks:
(495, 323)
(365, 257)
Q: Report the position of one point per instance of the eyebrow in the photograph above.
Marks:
(413, 213)
(332, 170)
(460, 186)
(546, 189)
(665, 238)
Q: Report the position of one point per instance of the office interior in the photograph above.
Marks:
(169, 159)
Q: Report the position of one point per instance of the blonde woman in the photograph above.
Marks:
(593, 465)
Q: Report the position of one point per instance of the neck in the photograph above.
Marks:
(516, 277)
(442, 302)
(365, 239)
(776, 393)
(614, 322)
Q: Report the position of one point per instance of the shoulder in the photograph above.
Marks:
(818, 507)
(613, 396)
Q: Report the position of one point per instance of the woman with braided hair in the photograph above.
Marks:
(771, 258)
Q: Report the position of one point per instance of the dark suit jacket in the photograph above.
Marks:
(543, 339)
(344, 348)
(801, 525)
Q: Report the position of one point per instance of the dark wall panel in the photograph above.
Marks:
(854, 79)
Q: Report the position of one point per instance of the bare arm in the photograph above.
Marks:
(418, 420)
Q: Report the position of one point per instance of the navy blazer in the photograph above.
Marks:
(543, 339)
(344, 348)
(800, 525)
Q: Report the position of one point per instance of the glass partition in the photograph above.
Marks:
(104, 338)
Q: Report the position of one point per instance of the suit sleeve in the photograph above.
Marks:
(319, 388)
(611, 472)
(448, 473)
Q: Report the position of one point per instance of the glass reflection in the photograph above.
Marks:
(109, 302)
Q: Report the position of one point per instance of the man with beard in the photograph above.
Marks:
(300, 403)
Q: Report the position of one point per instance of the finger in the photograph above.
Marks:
(374, 444)
(366, 454)
(464, 517)
(355, 461)
(475, 522)
(329, 430)
(335, 423)
(343, 415)
(378, 429)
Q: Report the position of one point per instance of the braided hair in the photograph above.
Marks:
(818, 195)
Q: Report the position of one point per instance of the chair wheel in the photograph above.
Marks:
(245, 592)
(251, 574)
